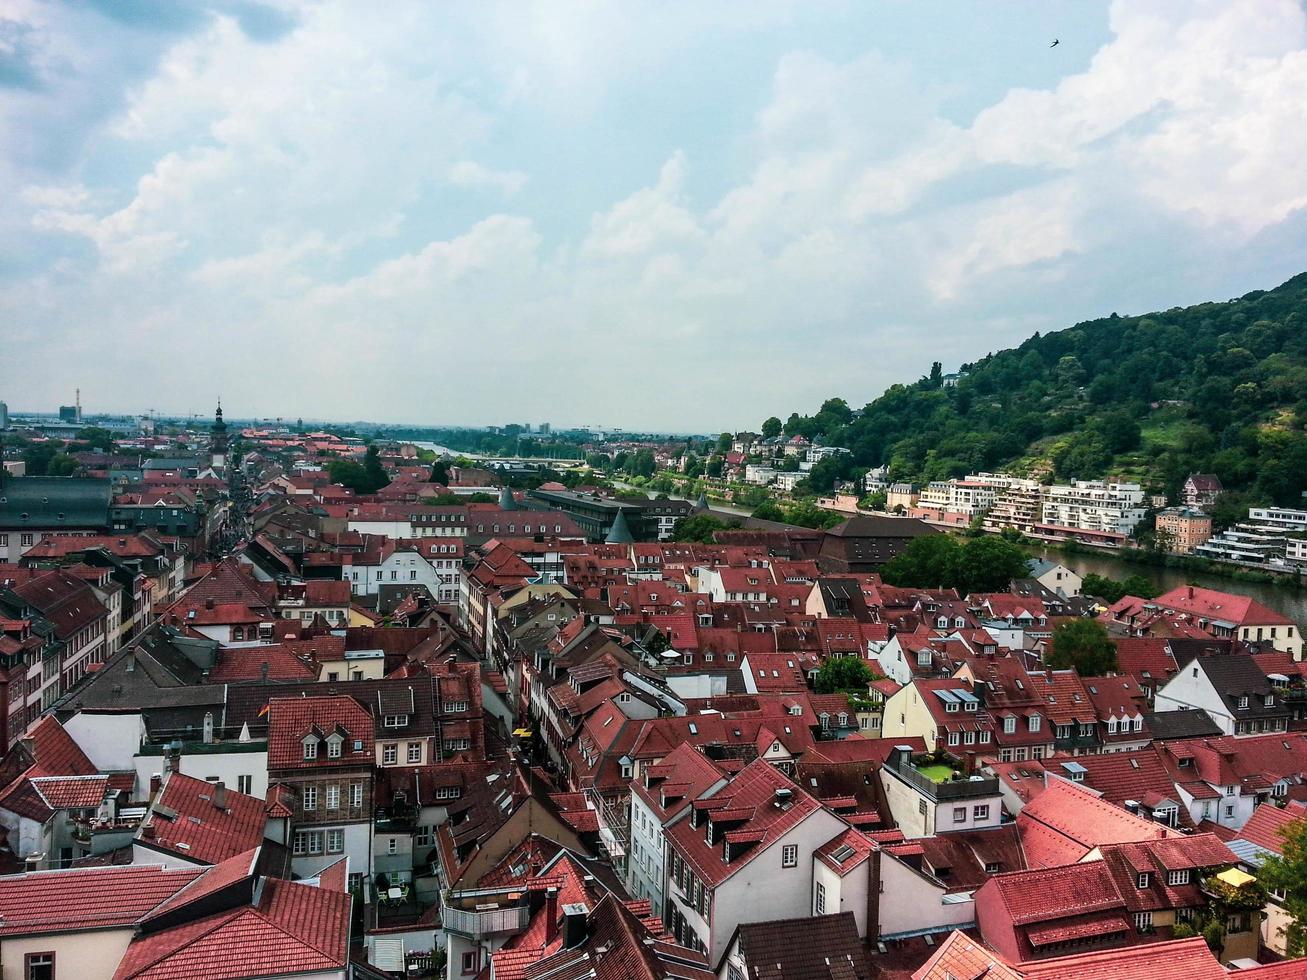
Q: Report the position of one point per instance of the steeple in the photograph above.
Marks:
(620, 532)
(218, 440)
(702, 502)
(506, 501)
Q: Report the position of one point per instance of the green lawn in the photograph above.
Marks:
(937, 773)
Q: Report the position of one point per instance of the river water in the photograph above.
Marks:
(1289, 601)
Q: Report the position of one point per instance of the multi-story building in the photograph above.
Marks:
(745, 854)
(1201, 490)
(1017, 506)
(323, 751)
(1185, 528)
(661, 796)
(1092, 507)
(649, 520)
(34, 507)
(924, 804)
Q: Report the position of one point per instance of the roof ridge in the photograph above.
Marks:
(218, 919)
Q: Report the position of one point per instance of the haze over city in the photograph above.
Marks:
(344, 212)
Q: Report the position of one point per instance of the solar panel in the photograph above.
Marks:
(948, 697)
(966, 695)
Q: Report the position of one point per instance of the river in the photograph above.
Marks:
(1289, 601)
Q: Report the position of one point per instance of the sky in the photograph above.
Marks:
(676, 216)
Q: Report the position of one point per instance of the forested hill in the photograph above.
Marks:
(1219, 387)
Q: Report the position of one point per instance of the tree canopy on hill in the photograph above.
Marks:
(1216, 388)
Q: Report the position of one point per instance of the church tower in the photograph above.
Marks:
(218, 441)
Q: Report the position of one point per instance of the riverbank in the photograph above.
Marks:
(1184, 564)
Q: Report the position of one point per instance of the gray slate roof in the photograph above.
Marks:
(50, 502)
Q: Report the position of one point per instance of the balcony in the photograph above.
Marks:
(481, 916)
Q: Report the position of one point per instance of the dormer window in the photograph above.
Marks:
(950, 706)
(310, 747)
(1269, 700)
(923, 658)
(1178, 877)
(843, 719)
(1009, 725)
(1144, 879)
(1243, 701)
(1034, 723)
(334, 742)
(395, 721)
(971, 706)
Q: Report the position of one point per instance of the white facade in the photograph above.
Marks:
(439, 573)
(763, 889)
(1092, 505)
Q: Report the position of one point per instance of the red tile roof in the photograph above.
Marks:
(749, 797)
(1066, 821)
(202, 831)
(294, 928)
(1211, 604)
(1264, 827)
(291, 719)
(81, 899)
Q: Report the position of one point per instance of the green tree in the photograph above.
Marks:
(698, 528)
(769, 510)
(96, 437)
(1085, 645)
(440, 472)
(1111, 590)
(1287, 873)
(351, 474)
(844, 674)
(724, 442)
(772, 428)
(988, 564)
(61, 464)
(376, 473)
(928, 562)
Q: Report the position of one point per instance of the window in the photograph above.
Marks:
(310, 797)
(1034, 723)
(310, 748)
(1178, 877)
(395, 721)
(984, 737)
(447, 792)
(980, 811)
(1009, 724)
(952, 738)
(819, 902)
(1243, 701)
(1086, 729)
(790, 856)
(959, 814)
(1111, 726)
(414, 751)
(243, 784)
(1144, 921)
(1139, 723)
(1144, 879)
(38, 966)
(471, 961)
(335, 841)
(392, 845)
(307, 842)
(356, 795)
(333, 747)
(1063, 731)
(389, 754)
(333, 797)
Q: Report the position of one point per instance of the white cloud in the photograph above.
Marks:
(469, 173)
(328, 197)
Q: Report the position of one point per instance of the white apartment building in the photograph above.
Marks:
(434, 563)
(1094, 506)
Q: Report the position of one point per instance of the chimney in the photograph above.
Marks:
(1191, 592)
(156, 781)
(551, 915)
(574, 931)
(148, 831)
(220, 795)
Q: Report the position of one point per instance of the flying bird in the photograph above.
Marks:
(1055, 43)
